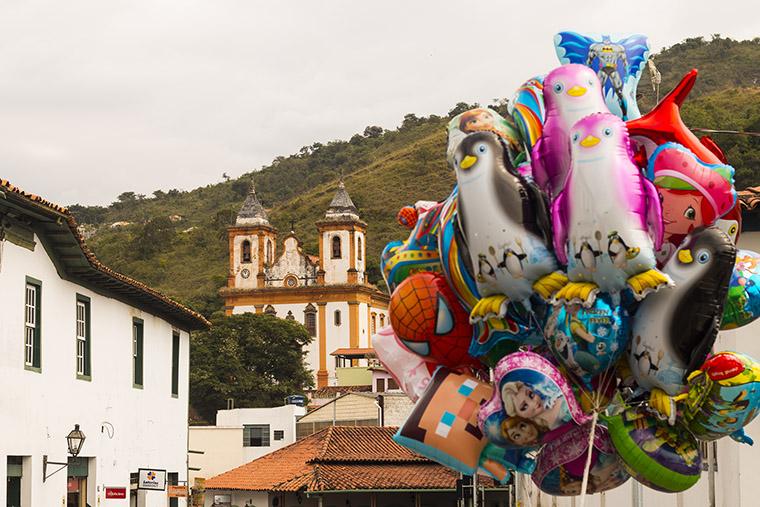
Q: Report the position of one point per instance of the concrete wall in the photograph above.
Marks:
(348, 407)
(126, 428)
(397, 408)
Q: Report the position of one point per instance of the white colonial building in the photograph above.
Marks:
(329, 293)
(83, 345)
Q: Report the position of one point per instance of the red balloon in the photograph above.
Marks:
(429, 321)
(663, 123)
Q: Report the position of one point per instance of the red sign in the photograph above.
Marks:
(177, 491)
(116, 493)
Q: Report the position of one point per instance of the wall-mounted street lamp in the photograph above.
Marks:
(75, 440)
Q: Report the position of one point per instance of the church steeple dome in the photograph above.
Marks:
(342, 207)
(252, 212)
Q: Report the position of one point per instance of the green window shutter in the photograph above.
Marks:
(137, 351)
(175, 363)
(88, 346)
(38, 330)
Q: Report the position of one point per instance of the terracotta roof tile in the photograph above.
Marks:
(332, 391)
(750, 198)
(339, 458)
(198, 321)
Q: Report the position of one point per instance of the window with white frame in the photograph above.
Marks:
(83, 335)
(32, 328)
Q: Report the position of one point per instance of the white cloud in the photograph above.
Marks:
(99, 97)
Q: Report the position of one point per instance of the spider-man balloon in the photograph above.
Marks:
(429, 321)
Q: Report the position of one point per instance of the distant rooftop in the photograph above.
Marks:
(252, 212)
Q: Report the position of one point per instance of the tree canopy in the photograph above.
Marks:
(255, 359)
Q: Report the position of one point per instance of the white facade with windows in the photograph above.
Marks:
(241, 435)
(68, 355)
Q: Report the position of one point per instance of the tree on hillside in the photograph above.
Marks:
(257, 360)
(461, 107)
(155, 236)
(373, 131)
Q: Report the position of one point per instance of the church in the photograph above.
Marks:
(329, 293)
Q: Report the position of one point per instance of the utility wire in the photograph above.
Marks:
(733, 132)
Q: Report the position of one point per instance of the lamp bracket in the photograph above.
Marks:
(45, 463)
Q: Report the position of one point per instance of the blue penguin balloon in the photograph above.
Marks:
(587, 341)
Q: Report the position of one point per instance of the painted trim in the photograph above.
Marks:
(88, 338)
(322, 373)
(37, 328)
(353, 323)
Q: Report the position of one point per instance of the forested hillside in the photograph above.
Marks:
(176, 241)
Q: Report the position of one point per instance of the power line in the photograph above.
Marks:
(733, 132)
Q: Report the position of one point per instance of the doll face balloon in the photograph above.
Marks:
(410, 371)
(531, 403)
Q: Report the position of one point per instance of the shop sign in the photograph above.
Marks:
(151, 479)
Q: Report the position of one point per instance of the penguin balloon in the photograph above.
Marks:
(675, 329)
(505, 226)
(571, 92)
(608, 219)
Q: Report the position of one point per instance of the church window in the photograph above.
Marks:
(290, 316)
(246, 251)
(373, 324)
(359, 248)
(310, 319)
(291, 281)
(337, 318)
(269, 252)
(336, 247)
(382, 320)
(269, 310)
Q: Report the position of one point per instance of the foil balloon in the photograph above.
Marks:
(505, 225)
(571, 92)
(496, 337)
(484, 120)
(429, 321)
(561, 463)
(675, 329)
(618, 62)
(693, 193)
(411, 372)
(731, 222)
(607, 239)
(443, 425)
(724, 396)
(532, 403)
(663, 457)
(743, 301)
(587, 341)
(419, 253)
(664, 124)
(527, 111)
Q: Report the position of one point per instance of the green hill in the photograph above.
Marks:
(185, 256)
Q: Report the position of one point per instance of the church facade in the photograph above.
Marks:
(329, 293)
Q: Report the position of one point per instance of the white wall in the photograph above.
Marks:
(222, 445)
(37, 410)
(239, 265)
(336, 270)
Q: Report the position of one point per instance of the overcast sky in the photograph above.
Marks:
(98, 97)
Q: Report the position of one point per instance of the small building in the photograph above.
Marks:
(240, 435)
(328, 293)
(342, 466)
(84, 346)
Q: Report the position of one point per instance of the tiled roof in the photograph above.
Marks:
(339, 458)
(332, 391)
(750, 198)
(342, 208)
(103, 276)
(355, 351)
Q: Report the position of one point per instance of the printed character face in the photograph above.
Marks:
(682, 211)
(476, 120)
(527, 403)
(522, 433)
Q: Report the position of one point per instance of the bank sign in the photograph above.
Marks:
(152, 479)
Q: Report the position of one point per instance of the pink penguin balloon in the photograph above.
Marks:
(608, 219)
(571, 92)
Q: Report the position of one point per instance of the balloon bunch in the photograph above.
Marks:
(556, 314)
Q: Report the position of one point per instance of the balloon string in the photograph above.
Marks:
(587, 468)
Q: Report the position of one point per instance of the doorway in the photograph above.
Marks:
(76, 490)
(13, 484)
